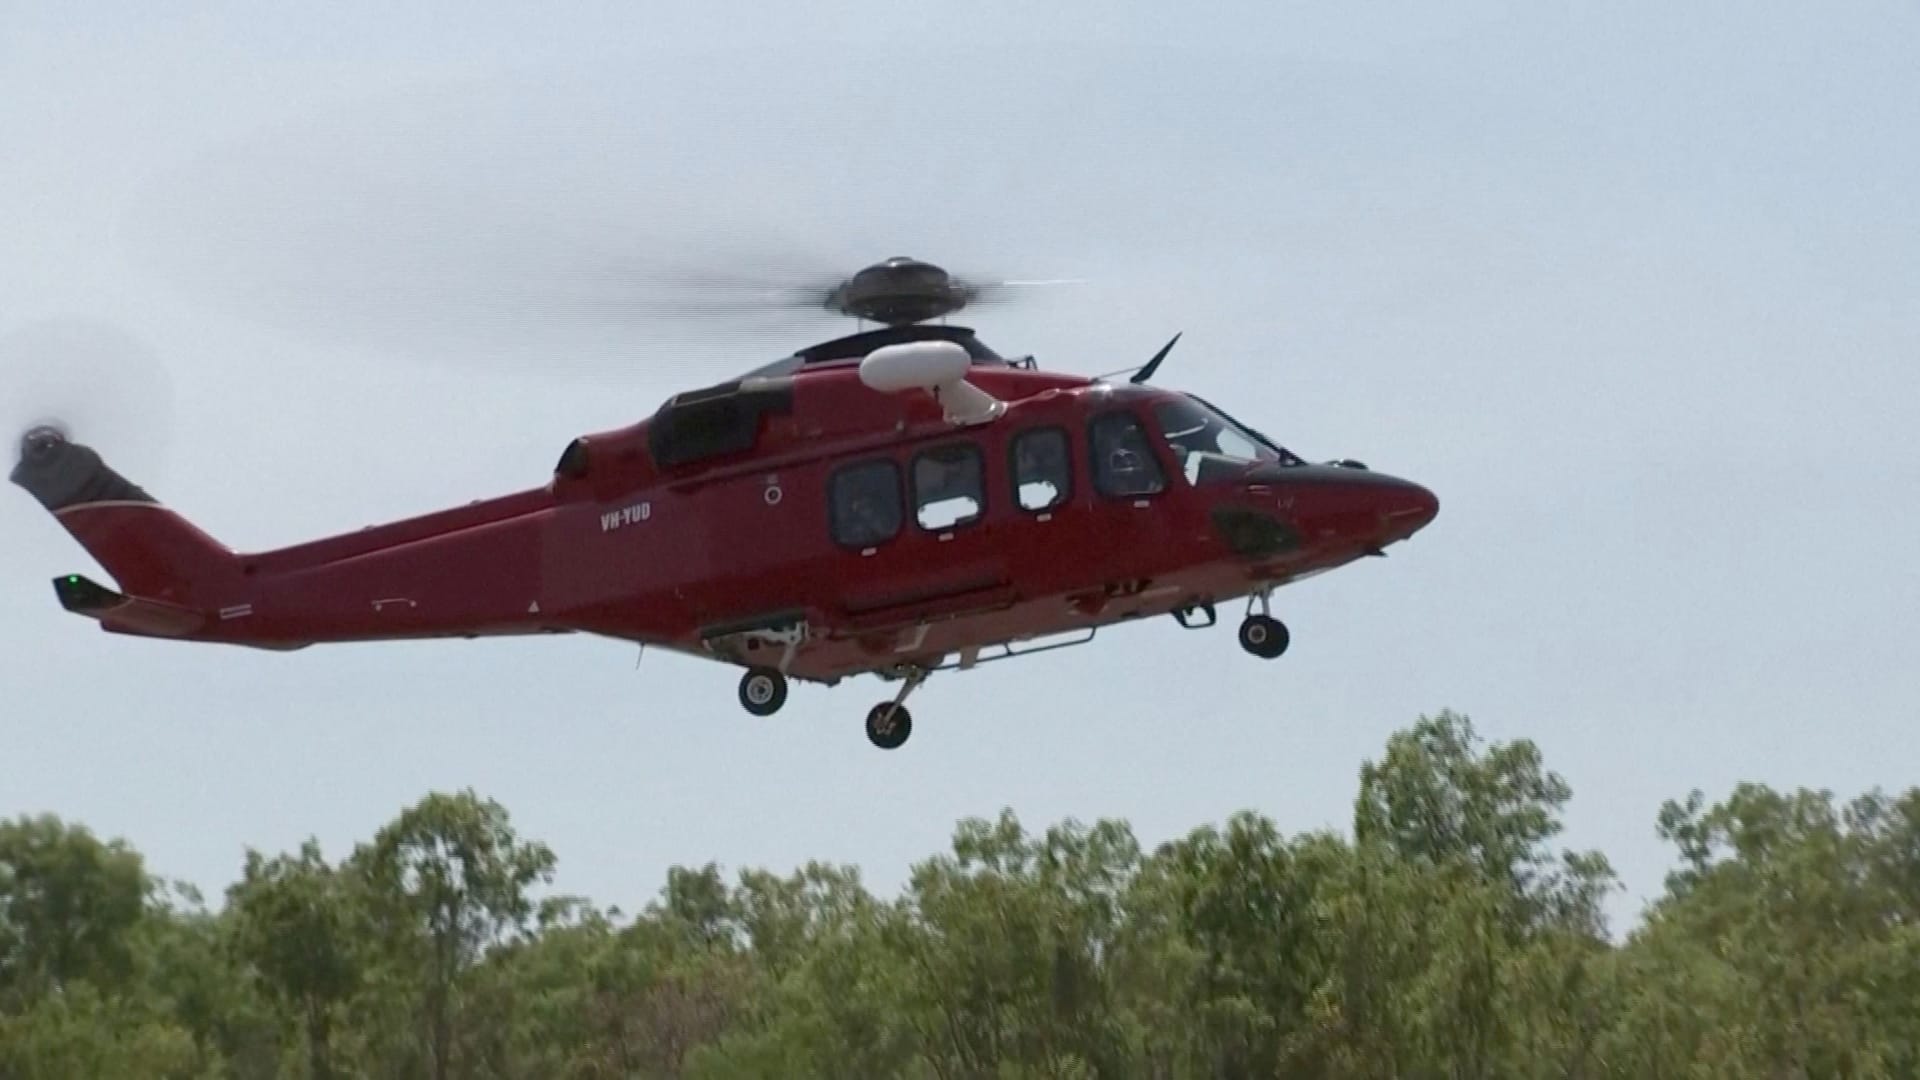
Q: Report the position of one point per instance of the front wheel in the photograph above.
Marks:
(1264, 636)
(763, 691)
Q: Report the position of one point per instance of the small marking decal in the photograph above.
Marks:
(626, 515)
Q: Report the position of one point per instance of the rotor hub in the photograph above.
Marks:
(41, 443)
(899, 291)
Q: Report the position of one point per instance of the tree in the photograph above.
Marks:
(84, 1033)
(1438, 796)
(187, 970)
(1443, 939)
(300, 924)
(1789, 930)
(68, 906)
(831, 987)
(444, 881)
(1005, 943)
(1226, 944)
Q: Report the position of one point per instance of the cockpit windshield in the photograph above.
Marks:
(1211, 445)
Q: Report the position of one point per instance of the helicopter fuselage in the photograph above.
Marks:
(805, 522)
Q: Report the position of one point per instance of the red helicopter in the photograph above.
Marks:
(897, 502)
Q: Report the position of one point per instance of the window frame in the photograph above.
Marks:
(1153, 453)
(1013, 467)
(913, 487)
(833, 502)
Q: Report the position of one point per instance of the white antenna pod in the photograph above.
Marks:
(938, 367)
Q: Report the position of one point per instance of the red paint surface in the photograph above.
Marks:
(715, 547)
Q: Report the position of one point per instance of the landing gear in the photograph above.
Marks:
(889, 723)
(1263, 635)
(762, 691)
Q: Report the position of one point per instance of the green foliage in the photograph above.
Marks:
(1438, 798)
(67, 905)
(84, 1033)
(301, 927)
(444, 882)
(1443, 937)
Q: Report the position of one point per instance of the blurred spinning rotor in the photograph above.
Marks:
(88, 379)
(526, 249)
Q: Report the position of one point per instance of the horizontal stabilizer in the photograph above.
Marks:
(125, 614)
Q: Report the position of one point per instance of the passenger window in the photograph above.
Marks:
(1123, 461)
(865, 503)
(948, 486)
(1042, 470)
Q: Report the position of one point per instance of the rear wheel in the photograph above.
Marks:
(888, 725)
(762, 691)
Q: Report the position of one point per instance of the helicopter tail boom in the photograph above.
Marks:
(169, 568)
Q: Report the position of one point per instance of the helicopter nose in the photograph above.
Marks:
(1338, 503)
(1410, 508)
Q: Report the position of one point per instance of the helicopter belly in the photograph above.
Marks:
(956, 630)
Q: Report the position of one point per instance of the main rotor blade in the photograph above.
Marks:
(421, 272)
(544, 239)
(997, 293)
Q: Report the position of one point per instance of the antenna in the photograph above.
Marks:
(1146, 370)
(1153, 365)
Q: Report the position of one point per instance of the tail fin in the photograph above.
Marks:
(153, 553)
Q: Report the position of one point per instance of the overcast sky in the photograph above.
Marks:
(1631, 287)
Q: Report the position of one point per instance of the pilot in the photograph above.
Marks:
(1130, 465)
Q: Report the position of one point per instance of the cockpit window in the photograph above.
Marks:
(1208, 443)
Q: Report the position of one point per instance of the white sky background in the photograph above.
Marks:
(1631, 287)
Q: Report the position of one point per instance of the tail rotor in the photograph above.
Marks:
(79, 377)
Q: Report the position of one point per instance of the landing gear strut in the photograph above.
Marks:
(889, 723)
(1263, 635)
(762, 691)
